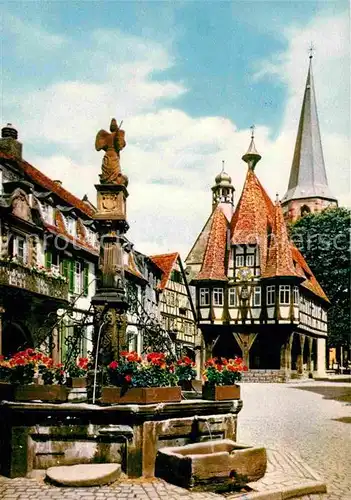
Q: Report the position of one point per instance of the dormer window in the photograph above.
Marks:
(47, 213)
(250, 260)
(71, 226)
(239, 261)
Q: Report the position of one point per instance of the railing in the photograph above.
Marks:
(19, 276)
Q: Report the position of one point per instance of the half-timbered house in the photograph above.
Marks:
(256, 297)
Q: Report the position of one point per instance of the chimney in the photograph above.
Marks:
(9, 143)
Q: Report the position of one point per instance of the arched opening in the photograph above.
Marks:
(15, 338)
(226, 346)
(306, 355)
(305, 210)
(265, 354)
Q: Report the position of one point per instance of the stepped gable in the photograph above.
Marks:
(279, 260)
(165, 262)
(214, 262)
(253, 218)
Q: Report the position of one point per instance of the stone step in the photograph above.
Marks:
(84, 474)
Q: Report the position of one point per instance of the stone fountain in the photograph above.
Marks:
(38, 435)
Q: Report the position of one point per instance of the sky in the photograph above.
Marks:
(188, 79)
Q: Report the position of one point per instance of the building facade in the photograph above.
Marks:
(256, 297)
(49, 252)
(48, 270)
(308, 189)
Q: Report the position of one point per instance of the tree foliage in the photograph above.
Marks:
(324, 240)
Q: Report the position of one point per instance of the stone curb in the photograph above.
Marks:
(283, 493)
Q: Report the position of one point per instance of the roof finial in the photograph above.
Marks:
(251, 157)
(276, 197)
(311, 50)
(222, 166)
(252, 131)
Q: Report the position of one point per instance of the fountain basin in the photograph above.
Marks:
(201, 463)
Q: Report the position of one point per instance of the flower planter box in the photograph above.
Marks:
(56, 393)
(140, 395)
(220, 392)
(6, 391)
(76, 382)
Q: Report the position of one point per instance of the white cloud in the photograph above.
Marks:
(172, 158)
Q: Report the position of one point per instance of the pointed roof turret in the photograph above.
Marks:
(308, 178)
(252, 156)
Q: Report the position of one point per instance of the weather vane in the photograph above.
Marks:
(252, 131)
(311, 50)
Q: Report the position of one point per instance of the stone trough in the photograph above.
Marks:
(211, 461)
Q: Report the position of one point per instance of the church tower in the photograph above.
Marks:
(308, 189)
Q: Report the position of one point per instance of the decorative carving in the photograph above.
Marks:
(112, 143)
(20, 205)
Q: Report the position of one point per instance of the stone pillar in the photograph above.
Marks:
(309, 360)
(285, 356)
(321, 357)
(2, 312)
(299, 360)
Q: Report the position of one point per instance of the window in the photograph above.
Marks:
(78, 276)
(20, 249)
(284, 294)
(239, 261)
(232, 297)
(270, 295)
(71, 226)
(296, 295)
(86, 279)
(1, 181)
(46, 212)
(204, 297)
(250, 260)
(257, 296)
(182, 311)
(218, 296)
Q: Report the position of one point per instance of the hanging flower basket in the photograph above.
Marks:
(220, 392)
(140, 395)
(32, 392)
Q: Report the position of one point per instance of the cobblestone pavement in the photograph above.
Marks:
(291, 421)
(284, 417)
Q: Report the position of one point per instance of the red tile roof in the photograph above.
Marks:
(165, 262)
(279, 261)
(45, 182)
(254, 217)
(310, 282)
(214, 266)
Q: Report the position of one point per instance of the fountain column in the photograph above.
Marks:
(110, 299)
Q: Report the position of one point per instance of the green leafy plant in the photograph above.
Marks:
(185, 370)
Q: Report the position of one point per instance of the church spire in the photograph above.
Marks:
(308, 179)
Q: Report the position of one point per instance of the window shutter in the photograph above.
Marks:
(48, 259)
(65, 264)
(71, 276)
(86, 279)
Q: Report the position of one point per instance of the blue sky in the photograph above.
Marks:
(188, 79)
